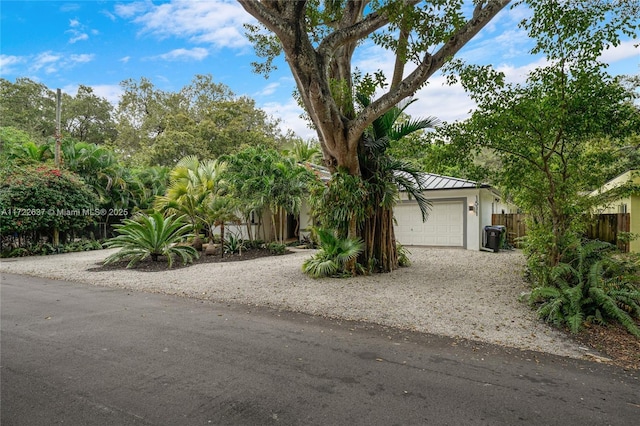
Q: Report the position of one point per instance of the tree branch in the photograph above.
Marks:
(273, 13)
(429, 65)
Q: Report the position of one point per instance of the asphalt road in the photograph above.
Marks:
(75, 354)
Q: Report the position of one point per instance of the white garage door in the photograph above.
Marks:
(444, 227)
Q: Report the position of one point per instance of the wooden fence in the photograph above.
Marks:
(608, 227)
(604, 227)
(515, 224)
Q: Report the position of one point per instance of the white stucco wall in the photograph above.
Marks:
(488, 202)
(475, 219)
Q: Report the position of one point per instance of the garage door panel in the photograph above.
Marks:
(444, 227)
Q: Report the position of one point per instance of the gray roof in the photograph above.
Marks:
(432, 182)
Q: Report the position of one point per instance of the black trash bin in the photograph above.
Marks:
(493, 237)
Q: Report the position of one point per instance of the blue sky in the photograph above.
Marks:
(100, 43)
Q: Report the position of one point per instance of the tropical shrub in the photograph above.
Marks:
(44, 248)
(403, 255)
(592, 283)
(18, 148)
(276, 248)
(36, 199)
(334, 255)
(152, 236)
(254, 244)
(234, 244)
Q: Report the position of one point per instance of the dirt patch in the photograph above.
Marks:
(614, 342)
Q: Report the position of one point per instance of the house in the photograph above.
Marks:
(625, 192)
(460, 209)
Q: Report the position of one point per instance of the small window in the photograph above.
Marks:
(622, 208)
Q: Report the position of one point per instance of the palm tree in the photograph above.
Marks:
(192, 185)
(288, 186)
(260, 179)
(147, 184)
(385, 178)
(103, 173)
(219, 210)
(303, 151)
(250, 179)
(182, 196)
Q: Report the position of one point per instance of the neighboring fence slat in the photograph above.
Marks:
(607, 227)
(604, 227)
(515, 224)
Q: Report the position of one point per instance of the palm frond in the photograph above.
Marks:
(404, 129)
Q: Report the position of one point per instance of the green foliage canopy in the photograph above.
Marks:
(542, 130)
(204, 119)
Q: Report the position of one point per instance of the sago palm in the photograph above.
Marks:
(151, 236)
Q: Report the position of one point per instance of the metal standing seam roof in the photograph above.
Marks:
(433, 182)
(430, 181)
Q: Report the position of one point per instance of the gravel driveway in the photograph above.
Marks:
(452, 292)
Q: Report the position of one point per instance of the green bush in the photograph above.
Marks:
(254, 244)
(152, 236)
(276, 248)
(592, 283)
(403, 255)
(234, 244)
(44, 248)
(334, 255)
(41, 198)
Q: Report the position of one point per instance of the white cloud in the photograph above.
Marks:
(109, 15)
(77, 31)
(518, 75)
(129, 10)
(8, 63)
(197, 54)
(111, 92)
(50, 62)
(626, 49)
(510, 44)
(46, 61)
(77, 36)
(438, 99)
(217, 22)
(81, 58)
(269, 89)
(289, 113)
(69, 7)
(125, 59)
